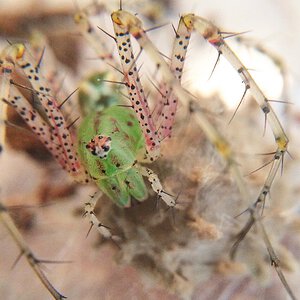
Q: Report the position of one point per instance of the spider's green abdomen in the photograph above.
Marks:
(115, 175)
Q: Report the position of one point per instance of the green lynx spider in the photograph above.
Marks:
(123, 177)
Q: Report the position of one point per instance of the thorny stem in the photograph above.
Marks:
(275, 262)
(26, 251)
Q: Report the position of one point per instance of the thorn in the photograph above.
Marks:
(258, 169)
(226, 32)
(102, 225)
(165, 137)
(289, 154)
(282, 161)
(70, 125)
(157, 88)
(154, 108)
(275, 262)
(45, 261)
(8, 123)
(176, 34)
(246, 89)
(112, 81)
(135, 60)
(167, 193)
(40, 59)
(11, 81)
(215, 65)
(164, 55)
(240, 236)
(92, 224)
(111, 36)
(280, 101)
(233, 34)
(126, 96)
(265, 124)
(8, 103)
(115, 68)
(267, 153)
(156, 27)
(124, 105)
(241, 213)
(34, 92)
(264, 203)
(67, 98)
(17, 259)
(139, 69)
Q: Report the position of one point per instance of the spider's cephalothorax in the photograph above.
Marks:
(99, 146)
(110, 143)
